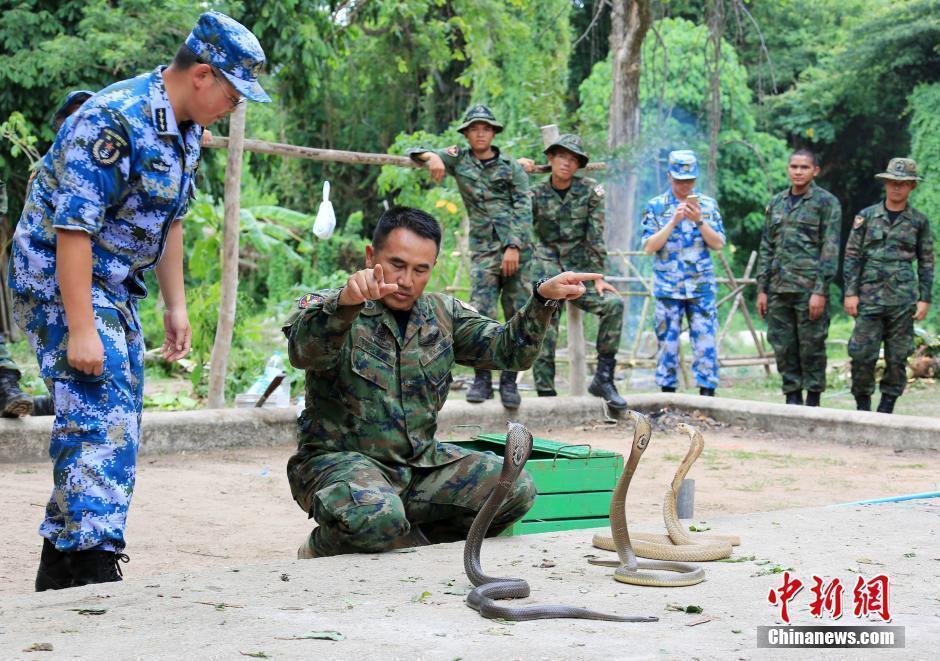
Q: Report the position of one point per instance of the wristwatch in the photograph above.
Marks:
(699, 223)
(547, 302)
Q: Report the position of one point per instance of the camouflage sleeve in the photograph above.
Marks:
(520, 224)
(96, 168)
(317, 330)
(925, 261)
(448, 155)
(484, 343)
(829, 255)
(596, 249)
(649, 224)
(765, 254)
(852, 263)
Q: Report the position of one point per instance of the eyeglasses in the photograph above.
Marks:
(234, 101)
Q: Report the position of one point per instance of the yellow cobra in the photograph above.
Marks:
(629, 569)
(677, 545)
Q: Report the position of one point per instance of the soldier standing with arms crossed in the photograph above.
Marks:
(881, 290)
(495, 192)
(799, 256)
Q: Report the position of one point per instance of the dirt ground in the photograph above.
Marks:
(195, 511)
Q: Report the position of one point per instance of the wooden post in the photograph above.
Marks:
(223, 333)
(744, 312)
(577, 371)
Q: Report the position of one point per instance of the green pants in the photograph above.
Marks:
(6, 360)
(363, 506)
(893, 325)
(488, 286)
(799, 342)
(608, 307)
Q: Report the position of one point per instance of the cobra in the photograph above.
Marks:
(490, 589)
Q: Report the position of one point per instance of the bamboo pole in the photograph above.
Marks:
(747, 315)
(230, 231)
(738, 299)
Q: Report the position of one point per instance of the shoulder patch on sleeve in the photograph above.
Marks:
(108, 147)
(309, 300)
(599, 190)
(858, 222)
(452, 151)
(467, 306)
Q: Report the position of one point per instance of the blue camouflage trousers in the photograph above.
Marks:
(96, 431)
(702, 314)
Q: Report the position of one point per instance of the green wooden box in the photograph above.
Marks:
(574, 481)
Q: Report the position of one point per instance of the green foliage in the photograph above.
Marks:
(925, 148)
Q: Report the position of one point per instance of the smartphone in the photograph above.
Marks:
(691, 198)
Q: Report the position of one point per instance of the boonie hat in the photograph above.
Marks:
(231, 48)
(900, 169)
(572, 143)
(479, 113)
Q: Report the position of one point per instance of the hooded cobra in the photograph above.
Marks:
(677, 545)
(629, 569)
(489, 588)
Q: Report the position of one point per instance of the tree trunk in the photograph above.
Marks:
(716, 27)
(223, 333)
(630, 20)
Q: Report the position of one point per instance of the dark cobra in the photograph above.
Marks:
(489, 589)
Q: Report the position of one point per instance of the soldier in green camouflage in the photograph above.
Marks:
(881, 290)
(378, 356)
(495, 192)
(799, 256)
(568, 218)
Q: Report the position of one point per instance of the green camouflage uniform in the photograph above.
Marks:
(569, 236)
(799, 256)
(368, 466)
(496, 197)
(6, 360)
(878, 268)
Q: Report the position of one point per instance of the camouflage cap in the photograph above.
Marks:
(900, 169)
(479, 113)
(683, 164)
(231, 48)
(73, 98)
(572, 143)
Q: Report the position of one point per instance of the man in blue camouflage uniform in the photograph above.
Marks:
(378, 354)
(680, 227)
(102, 210)
(495, 191)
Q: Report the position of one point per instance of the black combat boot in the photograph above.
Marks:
(668, 389)
(547, 393)
(14, 403)
(886, 405)
(508, 392)
(603, 383)
(812, 397)
(96, 567)
(43, 405)
(795, 397)
(706, 392)
(863, 402)
(55, 569)
(482, 388)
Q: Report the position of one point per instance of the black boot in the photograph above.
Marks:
(55, 569)
(795, 397)
(706, 392)
(96, 567)
(886, 405)
(482, 388)
(668, 389)
(547, 393)
(14, 403)
(43, 405)
(603, 383)
(508, 392)
(812, 397)
(863, 402)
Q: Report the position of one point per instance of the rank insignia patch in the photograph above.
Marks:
(453, 150)
(858, 222)
(308, 300)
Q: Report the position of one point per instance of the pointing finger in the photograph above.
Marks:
(585, 276)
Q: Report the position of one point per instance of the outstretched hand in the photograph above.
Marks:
(567, 286)
(366, 285)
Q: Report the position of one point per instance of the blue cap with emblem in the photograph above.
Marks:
(683, 164)
(231, 48)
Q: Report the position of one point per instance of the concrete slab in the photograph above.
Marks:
(27, 439)
(410, 605)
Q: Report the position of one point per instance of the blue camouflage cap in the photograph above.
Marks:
(231, 48)
(683, 164)
(73, 98)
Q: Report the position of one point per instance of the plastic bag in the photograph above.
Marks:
(325, 223)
